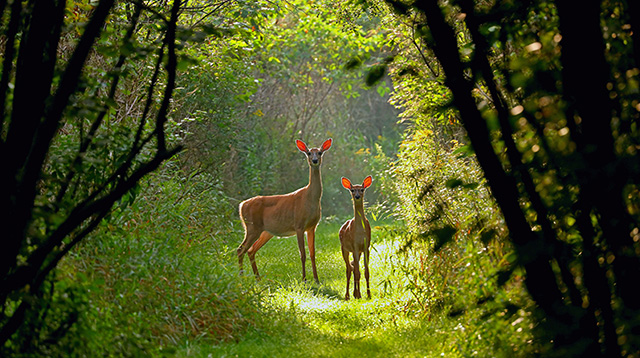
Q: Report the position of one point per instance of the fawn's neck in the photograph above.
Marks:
(358, 211)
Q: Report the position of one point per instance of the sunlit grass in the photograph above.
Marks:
(306, 319)
(176, 291)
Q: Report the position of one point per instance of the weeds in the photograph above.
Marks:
(160, 278)
(167, 274)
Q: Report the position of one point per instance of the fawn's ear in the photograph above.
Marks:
(327, 144)
(346, 183)
(301, 146)
(367, 182)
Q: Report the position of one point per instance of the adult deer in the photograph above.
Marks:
(355, 237)
(264, 217)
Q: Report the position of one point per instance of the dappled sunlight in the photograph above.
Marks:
(322, 308)
(159, 145)
(331, 315)
(316, 304)
(302, 299)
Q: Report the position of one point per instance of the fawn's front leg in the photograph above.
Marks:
(366, 271)
(345, 256)
(356, 274)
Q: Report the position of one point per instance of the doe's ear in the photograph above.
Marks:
(301, 146)
(367, 182)
(327, 144)
(346, 183)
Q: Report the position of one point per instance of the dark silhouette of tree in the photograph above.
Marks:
(46, 92)
(566, 73)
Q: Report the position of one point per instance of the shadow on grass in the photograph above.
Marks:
(341, 331)
(326, 291)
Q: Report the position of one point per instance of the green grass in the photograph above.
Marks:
(161, 291)
(162, 280)
(305, 319)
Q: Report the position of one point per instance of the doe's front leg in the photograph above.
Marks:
(303, 254)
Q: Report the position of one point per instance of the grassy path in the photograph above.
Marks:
(305, 319)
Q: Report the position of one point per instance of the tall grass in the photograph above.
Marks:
(160, 278)
(163, 271)
(453, 249)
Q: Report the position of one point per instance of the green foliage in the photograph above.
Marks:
(276, 75)
(162, 270)
(159, 276)
(551, 139)
(62, 309)
(72, 148)
(454, 248)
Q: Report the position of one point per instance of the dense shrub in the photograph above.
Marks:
(163, 270)
(453, 246)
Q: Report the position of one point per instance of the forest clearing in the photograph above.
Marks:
(187, 178)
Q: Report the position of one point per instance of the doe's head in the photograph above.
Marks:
(357, 191)
(314, 155)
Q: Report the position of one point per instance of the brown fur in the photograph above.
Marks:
(355, 238)
(264, 217)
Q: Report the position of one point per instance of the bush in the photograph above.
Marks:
(162, 270)
(454, 247)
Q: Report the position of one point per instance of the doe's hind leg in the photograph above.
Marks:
(264, 237)
(250, 237)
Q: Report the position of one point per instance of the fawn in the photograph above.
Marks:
(355, 237)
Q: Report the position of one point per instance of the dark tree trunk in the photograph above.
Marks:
(601, 179)
(40, 97)
(540, 279)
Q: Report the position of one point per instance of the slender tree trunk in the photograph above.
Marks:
(604, 177)
(540, 281)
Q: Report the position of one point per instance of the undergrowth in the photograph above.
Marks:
(160, 278)
(163, 273)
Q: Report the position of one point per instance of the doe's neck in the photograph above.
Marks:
(315, 181)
